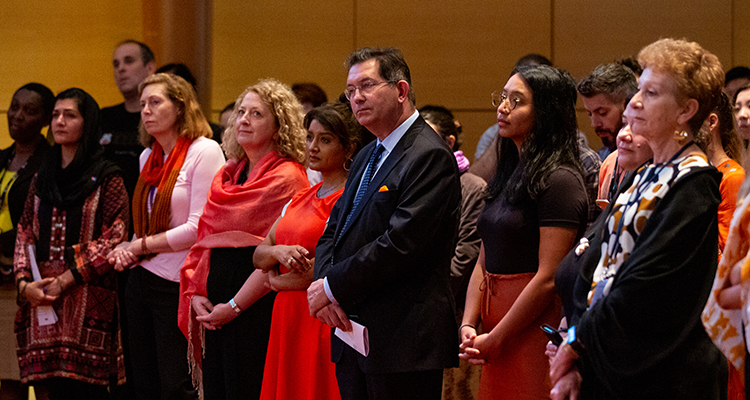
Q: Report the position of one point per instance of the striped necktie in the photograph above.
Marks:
(374, 158)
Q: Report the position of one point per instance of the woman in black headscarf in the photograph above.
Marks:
(76, 213)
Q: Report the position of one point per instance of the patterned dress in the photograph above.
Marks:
(85, 343)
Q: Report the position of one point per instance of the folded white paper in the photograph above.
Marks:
(44, 314)
(356, 339)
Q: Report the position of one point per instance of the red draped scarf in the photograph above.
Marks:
(234, 216)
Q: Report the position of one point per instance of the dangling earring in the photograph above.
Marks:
(349, 160)
(680, 135)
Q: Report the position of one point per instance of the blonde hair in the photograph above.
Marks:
(697, 72)
(190, 122)
(289, 140)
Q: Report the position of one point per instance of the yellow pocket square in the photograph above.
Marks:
(383, 188)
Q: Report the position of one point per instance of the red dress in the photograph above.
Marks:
(298, 361)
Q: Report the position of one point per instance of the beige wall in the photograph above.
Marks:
(458, 52)
(589, 32)
(62, 44)
(307, 42)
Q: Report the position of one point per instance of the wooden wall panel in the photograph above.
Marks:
(474, 123)
(458, 52)
(179, 31)
(292, 41)
(741, 33)
(590, 32)
(8, 357)
(62, 44)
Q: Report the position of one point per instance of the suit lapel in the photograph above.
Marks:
(352, 185)
(376, 183)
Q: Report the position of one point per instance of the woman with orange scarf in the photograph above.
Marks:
(176, 171)
(225, 304)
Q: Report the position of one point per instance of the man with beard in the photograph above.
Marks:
(604, 94)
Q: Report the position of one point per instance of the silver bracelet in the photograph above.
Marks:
(462, 327)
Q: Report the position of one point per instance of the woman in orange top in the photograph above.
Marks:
(724, 149)
(298, 358)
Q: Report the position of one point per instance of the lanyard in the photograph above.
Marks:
(7, 186)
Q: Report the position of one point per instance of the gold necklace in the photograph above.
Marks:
(322, 193)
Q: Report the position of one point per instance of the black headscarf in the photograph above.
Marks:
(68, 187)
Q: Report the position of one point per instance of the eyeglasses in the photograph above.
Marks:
(365, 88)
(498, 98)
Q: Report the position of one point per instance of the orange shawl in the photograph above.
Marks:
(163, 175)
(234, 216)
(725, 326)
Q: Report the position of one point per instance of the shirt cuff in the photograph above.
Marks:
(329, 294)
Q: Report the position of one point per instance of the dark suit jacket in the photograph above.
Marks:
(390, 269)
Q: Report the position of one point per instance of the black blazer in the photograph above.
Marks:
(18, 192)
(390, 269)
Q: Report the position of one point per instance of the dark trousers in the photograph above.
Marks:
(158, 349)
(235, 355)
(126, 390)
(357, 385)
(68, 389)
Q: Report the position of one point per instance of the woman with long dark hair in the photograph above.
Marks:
(723, 147)
(535, 209)
(75, 213)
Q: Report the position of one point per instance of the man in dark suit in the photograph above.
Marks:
(384, 258)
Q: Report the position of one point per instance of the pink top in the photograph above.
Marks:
(204, 158)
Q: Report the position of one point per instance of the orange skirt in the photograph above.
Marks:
(521, 371)
(736, 384)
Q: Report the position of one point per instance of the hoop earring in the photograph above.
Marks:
(349, 160)
(680, 135)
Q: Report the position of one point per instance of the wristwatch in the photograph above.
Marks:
(234, 306)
